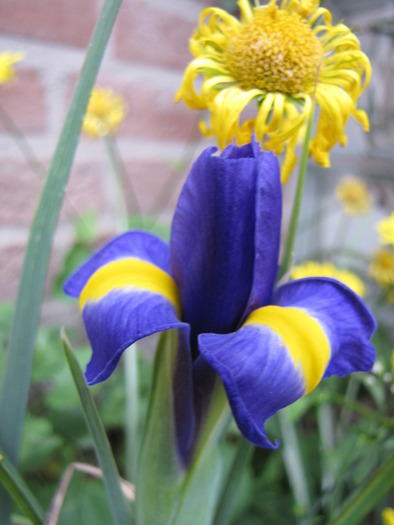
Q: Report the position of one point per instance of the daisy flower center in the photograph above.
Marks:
(277, 51)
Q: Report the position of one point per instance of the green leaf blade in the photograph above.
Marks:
(19, 492)
(17, 373)
(119, 510)
(368, 497)
(160, 473)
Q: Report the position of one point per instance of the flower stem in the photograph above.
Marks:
(128, 193)
(131, 355)
(119, 204)
(288, 253)
(21, 142)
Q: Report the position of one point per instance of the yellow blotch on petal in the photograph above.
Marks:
(354, 195)
(130, 273)
(303, 337)
(105, 112)
(7, 70)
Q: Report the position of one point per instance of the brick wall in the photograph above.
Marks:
(144, 62)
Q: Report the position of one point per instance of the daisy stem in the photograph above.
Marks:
(23, 145)
(130, 356)
(119, 204)
(288, 253)
(127, 189)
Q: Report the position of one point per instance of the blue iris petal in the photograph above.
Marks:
(225, 237)
(347, 321)
(258, 375)
(118, 320)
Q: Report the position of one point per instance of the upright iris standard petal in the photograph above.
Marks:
(276, 357)
(124, 298)
(345, 318)
(225, 237)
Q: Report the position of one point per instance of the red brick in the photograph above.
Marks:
(65, 21)
(19, 192)
(156, 185)
(24, 101)
(152, 113)
(84, 192)
(151, 35)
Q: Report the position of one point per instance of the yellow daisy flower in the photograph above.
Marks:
(315, 269)
(7, 71)
(382, 267)
(354, 195)
(388, 516)
(385, 229)
(277, 57)
(104, 113)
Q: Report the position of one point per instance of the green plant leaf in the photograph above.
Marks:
(19, 492)
(370, 495)
(167, 494)
(230, 489)
(160, 474)
(16, 378)
(117, 503)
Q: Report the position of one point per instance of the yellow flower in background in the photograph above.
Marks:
(388, 516)
(382, 267)
(104, 113)
(354, 195)
(385, 229)
(316, 269)
(270, 63)
(7, 61)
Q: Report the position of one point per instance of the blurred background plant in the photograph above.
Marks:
(345, 428)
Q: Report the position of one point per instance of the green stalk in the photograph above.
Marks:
(368, 497)
(291, 234)
(291, 448)
(15, 388)
(21, 142)
(130, 356)
(124, 183)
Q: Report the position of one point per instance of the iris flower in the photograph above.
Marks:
(215, 283)
(259, 75)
